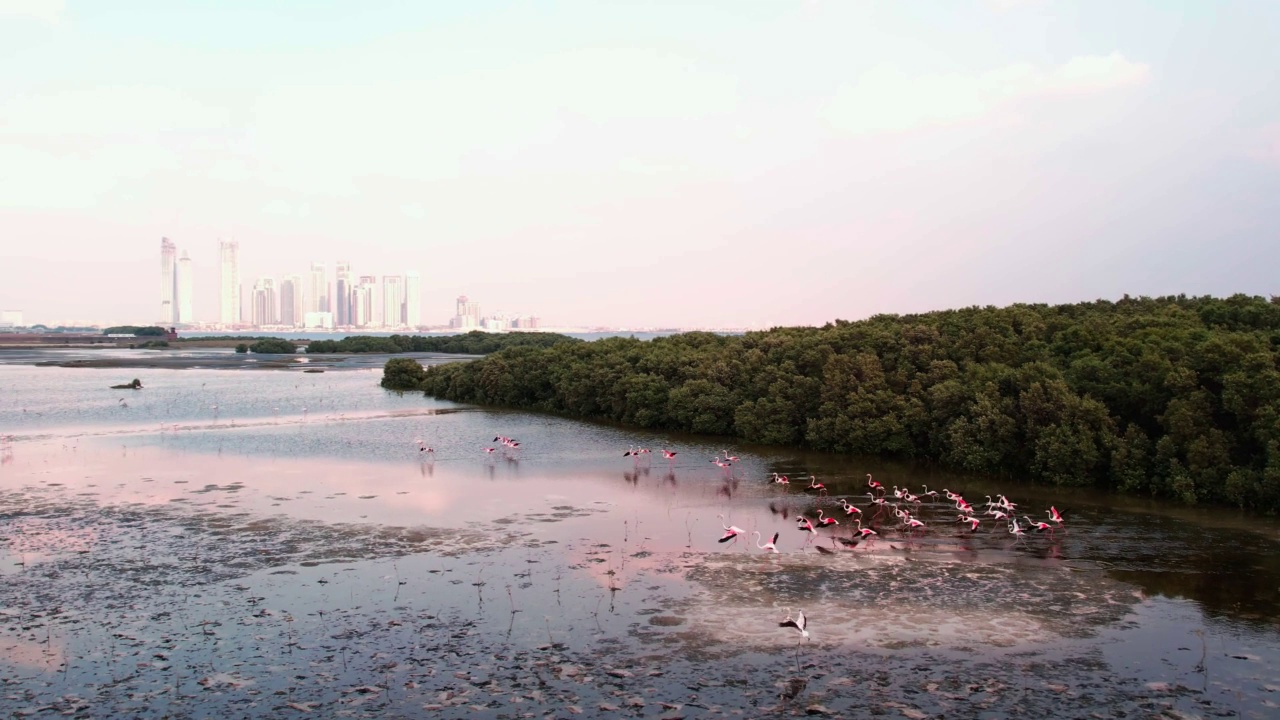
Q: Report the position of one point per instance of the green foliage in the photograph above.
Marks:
(402, 374)
(271, 345)
(242, 348)
(475, 342)
(1174, 397)
(151, 331)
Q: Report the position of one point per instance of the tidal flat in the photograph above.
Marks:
(226, 543)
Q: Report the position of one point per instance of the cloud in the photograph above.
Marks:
(1267, 147)
(886, 99)
(49, 11)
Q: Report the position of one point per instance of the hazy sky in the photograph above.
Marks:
(650, 163)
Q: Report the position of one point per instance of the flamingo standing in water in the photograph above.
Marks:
(731, 532)
(815, 485)
(849, 509)
(875, 486)
(781, 479)
(825, 521)
(1016, 530)
(669, 456)
(771, 546)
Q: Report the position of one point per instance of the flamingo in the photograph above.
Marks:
(631, 453)
(731, 532)
(803, 524)
(1038, 526)
(1016, 530)
(815, 485)
(799, 623)
(669, 456)
(781, 479)
(1055, 516)
(973, 522)
(849, 509)
(825, 521)
(770, 546)
(488, 452)
(728, 457)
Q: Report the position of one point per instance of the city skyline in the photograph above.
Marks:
(676, 165)
(324, 301)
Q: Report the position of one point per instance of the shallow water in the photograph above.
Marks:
(261, 543)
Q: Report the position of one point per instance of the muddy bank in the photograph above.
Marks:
(145, 611)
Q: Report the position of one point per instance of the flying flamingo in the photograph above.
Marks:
(799, 623)
(973, 522)
(632, 453)
(1016, 530)
(488, 452)
(1038, 526)
(731, 532)
(1055, 516)
(669, 456)
(802, 523)
(728, 457)
(771, 546)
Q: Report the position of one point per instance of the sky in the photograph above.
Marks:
(740, 163)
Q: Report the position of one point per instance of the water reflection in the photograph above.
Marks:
(269, 486)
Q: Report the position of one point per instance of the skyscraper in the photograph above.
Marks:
(412, 299)
(168, 283)
(342, 294)
(185, 290)
(468, 314)
(292, 310)
(365, 306)
(318, 291)
(265, 303)
(392, 301)
(229, 256)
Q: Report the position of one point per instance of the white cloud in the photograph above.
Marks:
(886, 99)
(49, 11)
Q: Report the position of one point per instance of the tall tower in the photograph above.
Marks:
(229, 295)
(291, 307)
(365, 307)
(392, 301)
(412, 299)
(185, 290)
(318, 292)
(342, 294)
(168, 283)
(265, 303)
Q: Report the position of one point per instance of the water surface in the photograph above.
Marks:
(262, 543)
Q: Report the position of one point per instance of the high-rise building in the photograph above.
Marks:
(186, 290)
(168, 283)
(265, 303)
(467, 315)
(412, 299)
(392, 301)
(292, 310)
(229, 294)
(342, 294)
(318, 291)
(365, 309)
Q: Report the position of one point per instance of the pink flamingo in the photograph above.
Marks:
(669, 456)
(731, 532)
(826, 521)
(799, 623)
(815, 485)
(875, 486)
(849, 509)
(770, 546)
(781, 479)
(803, 524)
(973, 522)
(1038, 526)
(1055, 516)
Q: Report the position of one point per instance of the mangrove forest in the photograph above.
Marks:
(1175, 397)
